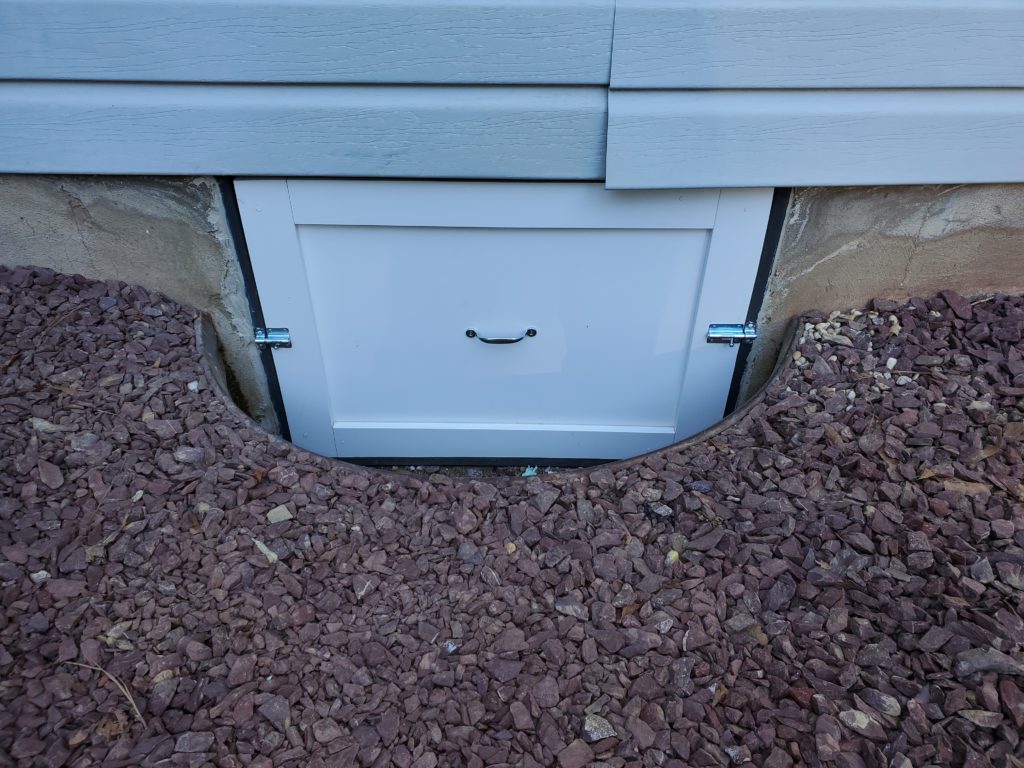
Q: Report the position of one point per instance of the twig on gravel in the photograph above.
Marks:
(91, 407)
(96, 552)
(120, 686)
(42, 332)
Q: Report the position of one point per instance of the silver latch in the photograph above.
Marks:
(275, 338)
(732, 333)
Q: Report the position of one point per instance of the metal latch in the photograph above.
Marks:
(732, 333)
(275, 338)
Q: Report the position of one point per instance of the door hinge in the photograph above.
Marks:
(275, 338)
(732, 333)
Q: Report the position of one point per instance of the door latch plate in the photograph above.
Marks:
(732, 333)
(274, 338)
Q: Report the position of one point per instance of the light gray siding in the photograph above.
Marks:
(815, 92)
(662, 139)
(241, 130)
(818, 44)
(308, 41)
(664, 93)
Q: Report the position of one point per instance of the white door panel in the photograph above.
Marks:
(392, 275)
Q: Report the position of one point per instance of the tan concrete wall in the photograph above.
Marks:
(170, 235)
(841, 247)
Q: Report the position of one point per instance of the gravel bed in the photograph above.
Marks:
(833, 578)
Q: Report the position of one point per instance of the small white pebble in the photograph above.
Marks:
(137, 496)
(279, 514)
(42, 425)
(891, 363)
(268, 553)
(39, 576)
(193, 386)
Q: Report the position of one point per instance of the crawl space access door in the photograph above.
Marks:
(500, 320)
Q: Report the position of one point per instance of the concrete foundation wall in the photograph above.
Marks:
(170, 235)
(841, 247)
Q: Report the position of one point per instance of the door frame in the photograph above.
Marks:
(273, 209)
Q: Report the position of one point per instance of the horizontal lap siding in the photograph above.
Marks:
(704, 93)
(510, 89)
(660, 139)
(396, 131)
(818, 44)
(815, 92)
(551, 42)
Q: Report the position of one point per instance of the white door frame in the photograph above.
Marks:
(272, 210)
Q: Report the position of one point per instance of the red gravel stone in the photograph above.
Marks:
(577, 755)
(846, 584)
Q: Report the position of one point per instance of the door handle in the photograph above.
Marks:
(530, 332)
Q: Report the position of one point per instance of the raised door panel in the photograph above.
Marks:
(611, 311)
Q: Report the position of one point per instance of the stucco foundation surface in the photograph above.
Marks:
(840, 247)
(170, 235)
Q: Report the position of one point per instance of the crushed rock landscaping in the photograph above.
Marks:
(834, 576)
